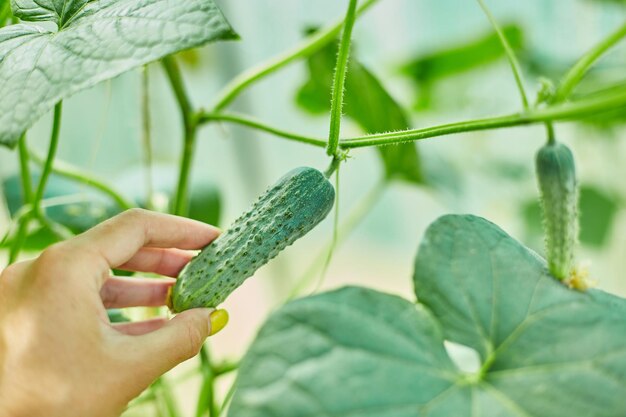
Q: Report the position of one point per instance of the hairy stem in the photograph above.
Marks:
(578, 71)
(306, 48)
(601, 102)
(341, 69)
(510, 55)
(189, 133)
(254, 124)
(566, 111)
(74, 173)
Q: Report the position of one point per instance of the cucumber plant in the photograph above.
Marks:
(545, 348)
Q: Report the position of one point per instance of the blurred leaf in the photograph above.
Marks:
(597, 213)
(117, 316)
(462, 57)
(77, 216)
(507, 169)
(620, 2)
(36, 240)
(368, 103)
(5, 12)
(205, 203)
(597, 86)
(205, 198)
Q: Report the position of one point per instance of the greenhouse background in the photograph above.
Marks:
(484, 173)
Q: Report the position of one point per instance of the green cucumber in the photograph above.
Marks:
(284, 213)
(556, 173)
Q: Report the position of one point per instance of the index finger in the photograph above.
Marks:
(119, 238)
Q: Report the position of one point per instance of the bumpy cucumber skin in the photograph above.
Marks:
(284, 213)
(556, 173)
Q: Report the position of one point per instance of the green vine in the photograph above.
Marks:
(341, 69)
(26, 179)
(190, 124)
(578, 71)
(35, 210)
(254, 124)
(146, 134)
(74, 173)
(510, 55)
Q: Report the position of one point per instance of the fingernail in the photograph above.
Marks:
(218, 319)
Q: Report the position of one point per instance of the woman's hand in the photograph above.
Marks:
(59, 355)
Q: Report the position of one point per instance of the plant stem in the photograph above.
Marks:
(550, 133)
(225, 368)
(35, 202)
(5, 13)
(176, 81)
(333, 242)
(227, 399)
(189, 132)
(249, 122)
(26, 179)
(565, 111)
(341, 69)
(52, 150)
(163, 394)
(20, 237)
(206, 399)
(578, 71)
(334, 166)
(605, 101)
(304, 49)
(515, 67)
(72, 172)
(146, 134)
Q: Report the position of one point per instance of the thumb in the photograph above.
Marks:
(179, 339)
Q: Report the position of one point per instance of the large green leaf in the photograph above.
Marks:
(546, 350)
(57, 11)
(368, 103)
(425, 70)
(465, 56)
(98, 40)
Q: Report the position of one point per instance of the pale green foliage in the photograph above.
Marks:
(546, 350)
(97, 41)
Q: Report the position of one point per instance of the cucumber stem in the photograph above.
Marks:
(334, 165)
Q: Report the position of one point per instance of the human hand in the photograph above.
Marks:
(59, 355)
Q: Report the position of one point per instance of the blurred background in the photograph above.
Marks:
(415, 63)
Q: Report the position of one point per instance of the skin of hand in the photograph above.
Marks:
(59, 355)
